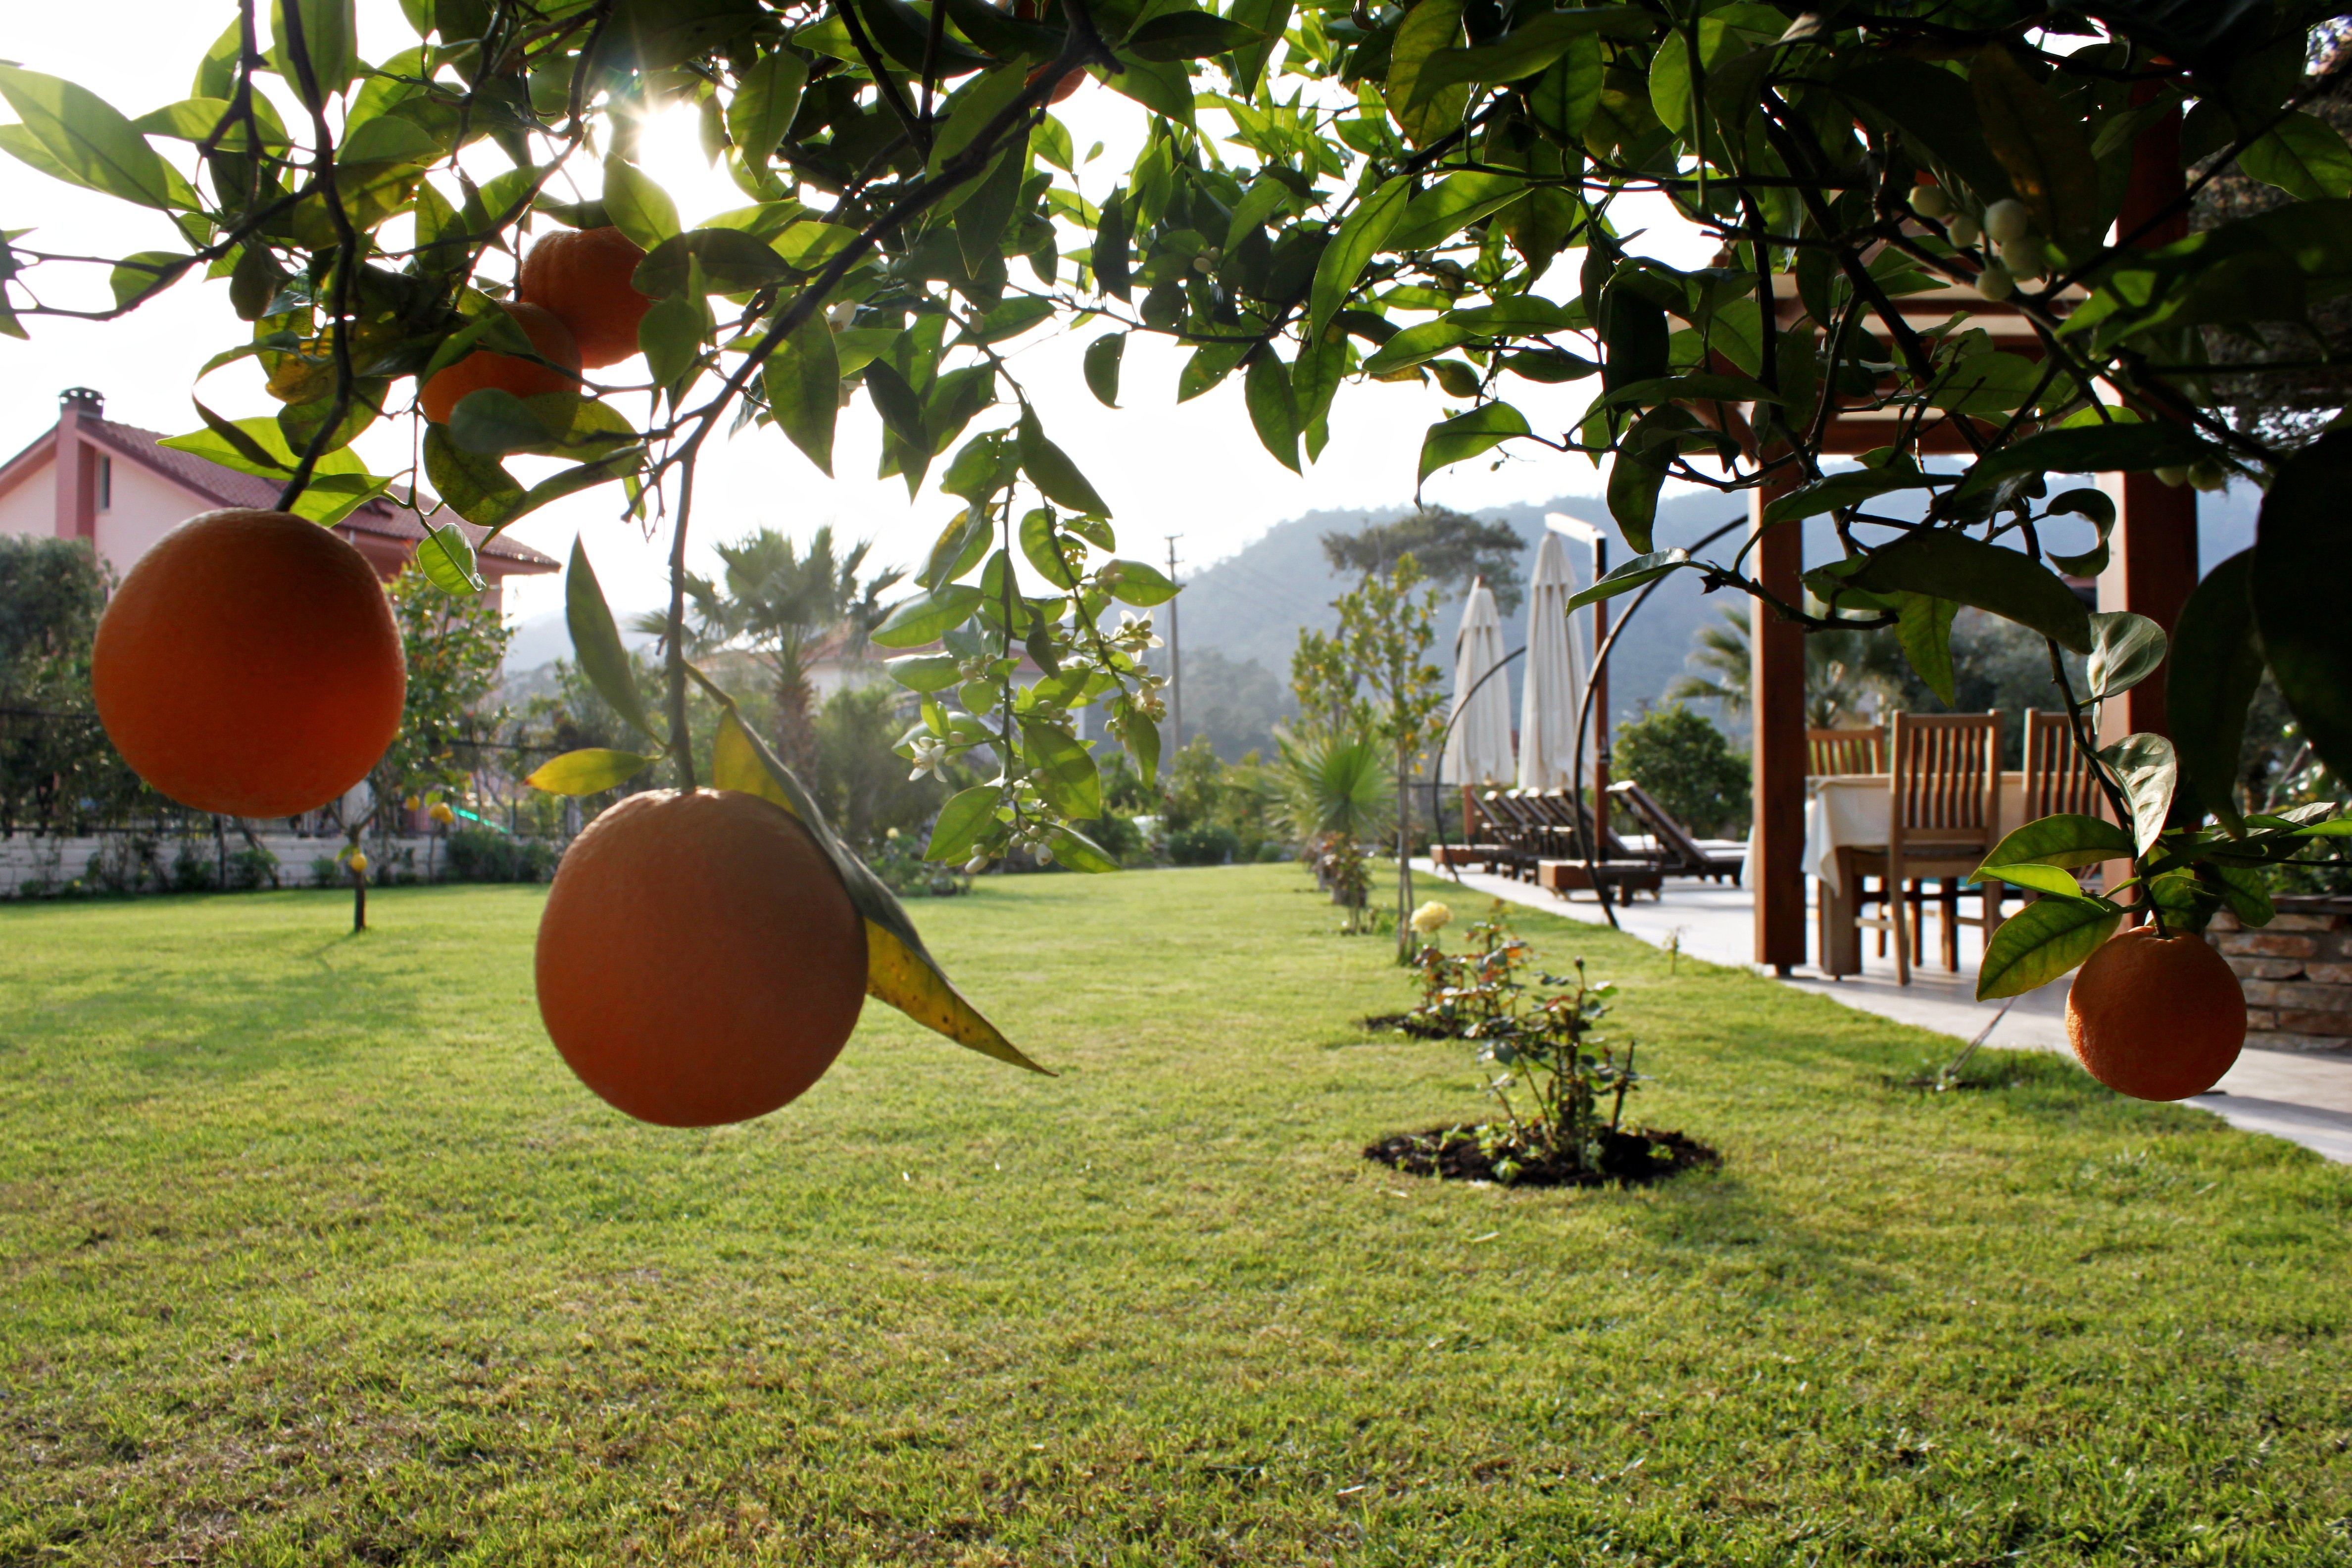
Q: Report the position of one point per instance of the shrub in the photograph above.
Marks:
(487, 855)
(1204, 845)
(195, 869)
(252, 867)
(326, 871)
(1688, 767)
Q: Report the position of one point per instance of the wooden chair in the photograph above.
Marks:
(1944, 779)
(2058, 777)
(1846, 751)
(1682, 856)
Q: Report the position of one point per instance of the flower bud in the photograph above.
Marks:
(2024, 257)
(975, 866)
(1964, 231)
(2006, 220)
(1994, 282)
(1930, 201)
(2209, 475)
(2173, 474)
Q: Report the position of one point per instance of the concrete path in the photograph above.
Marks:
(2307, 1099)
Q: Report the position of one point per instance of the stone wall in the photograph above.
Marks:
(33, 867)
(2297, 974)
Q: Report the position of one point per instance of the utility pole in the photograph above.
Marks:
(1175, 657)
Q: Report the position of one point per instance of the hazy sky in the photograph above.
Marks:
(1195, 469)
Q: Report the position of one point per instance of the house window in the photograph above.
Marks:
(105, 484)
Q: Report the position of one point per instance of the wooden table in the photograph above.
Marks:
(1849, 811)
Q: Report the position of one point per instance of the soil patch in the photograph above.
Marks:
(1456, 1153)
(1406, 1024)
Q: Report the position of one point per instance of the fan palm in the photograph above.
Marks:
(1843, 670)
(1336, 795)
(779, 601)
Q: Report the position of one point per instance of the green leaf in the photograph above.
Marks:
(1102, 362)
(1108, 252)
(1077, 851)
(2042, 941)
(494, 422)
(1163, 86)
(1134, 583)
(2216, 667)
(2042, 146)
(2303, 156)
(2063, 841)
(899, 405)
(960, 543)
(1417, 346)
(2047, 880)
(1633, 487)
(732, 262)
(2149, 771)
(967, 814)
(197, 119)
(389, 139)
(670, 334)
(1039, 544)
(588, 771)
(767, 96)
(1343, 260)
(330, 42)
(270, 460)
(926, 617)
(1935, 109)
(2125, 650)
(1429, 28)
(596, 644)
(1453, 205)
(90, 142)
(1923, 626)
(1833, 491)
(925, 672)
(446, 558)
(1268, 20)
(1530, 49)
(1062, 768)
(1466, 435)
(638, 207)
(2297, 590)
(981, 220)
(1564, 99)
(1632, 574)
(1273, 408)
(2087, 449)
(1985, 384)
(802, 379)
(1051, 471)
(1187, 35)
(2012, 585)
(584, 476)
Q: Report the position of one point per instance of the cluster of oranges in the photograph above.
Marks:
(576, 303)
(700, 960)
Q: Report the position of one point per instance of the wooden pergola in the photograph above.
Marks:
(2151, 569)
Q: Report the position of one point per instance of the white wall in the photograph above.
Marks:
(146, 506)
(32, 506)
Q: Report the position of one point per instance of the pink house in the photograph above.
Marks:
(89, 477)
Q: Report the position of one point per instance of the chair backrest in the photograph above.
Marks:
(1945, 771)
(1846, 751)
(2058, 776)
(1570, 815)
(1679, 845)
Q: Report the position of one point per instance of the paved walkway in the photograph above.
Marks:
(2307, 1099)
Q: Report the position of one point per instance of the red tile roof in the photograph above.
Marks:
(227, 487)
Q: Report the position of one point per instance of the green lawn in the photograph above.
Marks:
(315, 1253)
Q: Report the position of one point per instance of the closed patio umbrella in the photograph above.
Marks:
(1478, 752)
(1553, 693)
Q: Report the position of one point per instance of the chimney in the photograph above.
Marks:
(76, 464)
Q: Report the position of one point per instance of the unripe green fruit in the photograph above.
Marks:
(2006, 220)
(2024, 257)
(1930, 201)
(2173, 474)
(1995, 282)
(2209, 475)
(1964, 231)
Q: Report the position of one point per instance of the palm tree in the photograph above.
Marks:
(1843, 670)
(779, 601)
(1336, 795)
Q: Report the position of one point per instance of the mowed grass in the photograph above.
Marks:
(314, 1252)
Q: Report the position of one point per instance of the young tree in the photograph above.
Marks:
(1391, 194)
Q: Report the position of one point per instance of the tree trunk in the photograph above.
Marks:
(796, 735)
(1404, 859)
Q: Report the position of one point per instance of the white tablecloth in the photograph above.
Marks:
(1855, 809)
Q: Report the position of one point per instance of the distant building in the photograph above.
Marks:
(112, 484)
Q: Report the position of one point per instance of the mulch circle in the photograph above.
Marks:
(1453, 1154)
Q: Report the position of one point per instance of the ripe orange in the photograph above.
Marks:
(584, 275)
(2156, 1017)
(249, 664)
(700, 960)
(523, 377)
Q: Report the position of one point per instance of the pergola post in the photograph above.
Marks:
(2152, 554)
(1775, 686)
